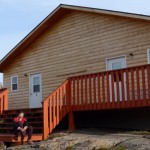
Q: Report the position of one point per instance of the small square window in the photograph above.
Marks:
(14, 83)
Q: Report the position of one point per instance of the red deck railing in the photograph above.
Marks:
(116, 89)
(55, 107)
(3, 100)
(123, 88)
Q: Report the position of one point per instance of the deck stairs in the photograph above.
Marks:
(34, 116)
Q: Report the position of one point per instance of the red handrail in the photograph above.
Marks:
(55, 107)
(3, 100)
(128, 87)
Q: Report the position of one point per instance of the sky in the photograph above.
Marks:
(19, 17)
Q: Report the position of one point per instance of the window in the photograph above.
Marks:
(148, 56)
(14, 83)
(36, 84)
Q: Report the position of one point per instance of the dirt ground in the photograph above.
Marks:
(92, 139)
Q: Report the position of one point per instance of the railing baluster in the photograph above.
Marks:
(78, 90)
(45, 118)
(86, 98)
(65, 98)
(117, 89)
(74, 94)
(127, 85)
(99, 93)
(90, 94)
(82, 101)
(138, 86)
(148, 77)
(50, 115)
(108, 91)
(143, 86)
(60, 113)
(112, 90)
(63, 106)
(103, 91)
(94, 88)
(122, 88)
(133, 88)
(57, 100)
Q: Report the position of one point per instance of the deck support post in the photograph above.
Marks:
(70, 110)
(71, 121)
(45, 119)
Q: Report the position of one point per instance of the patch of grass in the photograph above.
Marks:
(119, 148)
(54, 135)
(95, 148)
(69, 148)
(138, 132)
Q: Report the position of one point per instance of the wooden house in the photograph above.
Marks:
(79, 59)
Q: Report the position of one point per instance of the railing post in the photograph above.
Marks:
(69, 99)
(5, 102)
(45, 119)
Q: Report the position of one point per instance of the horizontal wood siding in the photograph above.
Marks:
(77, 44)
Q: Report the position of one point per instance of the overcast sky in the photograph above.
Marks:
(19, 17)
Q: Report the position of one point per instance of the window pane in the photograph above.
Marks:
(36, 88)
(14, 87)
(36, 81)
(14, 80)
(116, 65)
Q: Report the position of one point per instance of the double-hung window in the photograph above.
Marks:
(14, 83)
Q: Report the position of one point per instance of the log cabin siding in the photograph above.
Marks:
(79, 43)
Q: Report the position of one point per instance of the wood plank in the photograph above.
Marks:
(112, 86)
(108, 91)
(103, 91)
(143, 87)
(78, 92)
(90, 93)
(127, 84)
(99, 93)
(61, 103)
(138, 87)
(117, 89)
(94, 92)
(123, 86)
(148, 76)
(50, 115)
(133, 88)
(86, 97)
(74, 93)
(82, 100)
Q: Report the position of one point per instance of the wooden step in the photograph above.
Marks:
(13, 138)
(27, 110)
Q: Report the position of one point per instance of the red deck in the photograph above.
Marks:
(116, 89)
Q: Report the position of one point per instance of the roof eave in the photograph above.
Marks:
(62, 8)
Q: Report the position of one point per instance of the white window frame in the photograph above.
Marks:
(148, 56)
(106, 60)
(12, 83)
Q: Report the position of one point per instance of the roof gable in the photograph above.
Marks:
(58, 13)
